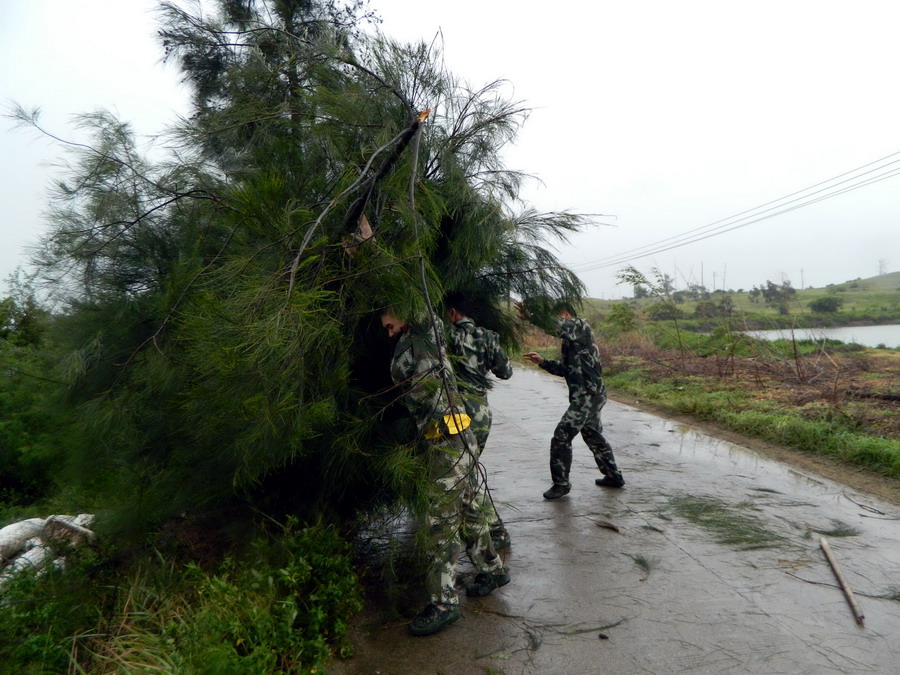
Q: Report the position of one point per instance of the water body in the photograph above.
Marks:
(868, 336)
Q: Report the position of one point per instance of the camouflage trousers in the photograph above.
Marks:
(453, 520)
(583, 415)
(478, 409)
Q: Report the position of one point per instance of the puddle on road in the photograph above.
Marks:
(715, 453)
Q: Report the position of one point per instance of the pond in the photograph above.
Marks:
(868, 336)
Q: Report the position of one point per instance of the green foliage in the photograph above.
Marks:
(664, 311)
(215, 345)
(216, 338)
(283, 608)
(705, 309)
(29, 416)
(20, 322)
(42, 613)
(872, 301)
(280, 612)
(731, 524)
(776, 295)
(28, 430)
(827, 305)
(622, 318)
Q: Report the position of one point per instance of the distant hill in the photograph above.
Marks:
(882, 282)
(863, 302)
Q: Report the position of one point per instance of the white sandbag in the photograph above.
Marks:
(63, 528)
(82, 519)
(35, 559)
(13, 537)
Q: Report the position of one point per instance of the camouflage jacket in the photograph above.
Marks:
(475, 352)
(417, 367)
(580, 362)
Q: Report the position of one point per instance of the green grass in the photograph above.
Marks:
(283, 608)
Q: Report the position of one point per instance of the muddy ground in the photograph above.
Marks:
(708, 561)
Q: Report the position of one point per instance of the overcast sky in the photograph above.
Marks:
(666, 117)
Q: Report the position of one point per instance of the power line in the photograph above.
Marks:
(757, 214)
(749, 220)
(756, 210)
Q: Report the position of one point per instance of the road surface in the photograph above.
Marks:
(716, 566)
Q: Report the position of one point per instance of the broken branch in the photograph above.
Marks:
(857, 612)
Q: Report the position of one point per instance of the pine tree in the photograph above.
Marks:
(221, 341)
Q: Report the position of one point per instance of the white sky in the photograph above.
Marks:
(668, 116)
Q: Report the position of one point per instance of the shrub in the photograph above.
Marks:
(664, 311)
(283, 608)
(621, 319)
(827, 305)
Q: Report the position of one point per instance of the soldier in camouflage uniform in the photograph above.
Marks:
(476, 353)
(420, 368)
(580, 365)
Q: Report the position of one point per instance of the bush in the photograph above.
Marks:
(28, 427)
(827, 305)
(278, 614)
(706, 309)
(283, 609)
(664, 311)
(41, 614)
(622, 318)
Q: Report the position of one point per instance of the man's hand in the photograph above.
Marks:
(365, 230)
(534, 357)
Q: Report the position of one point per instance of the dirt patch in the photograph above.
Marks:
(886, 489)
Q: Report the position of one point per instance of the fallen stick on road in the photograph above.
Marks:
(857, 612)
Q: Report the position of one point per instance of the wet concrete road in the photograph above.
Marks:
(667, 594)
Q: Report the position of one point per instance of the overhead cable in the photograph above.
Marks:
(801, 198)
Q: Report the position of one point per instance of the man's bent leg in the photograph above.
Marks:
(561, 444)
(592, 433)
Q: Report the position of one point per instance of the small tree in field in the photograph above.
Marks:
(662, 288)
(622, 318)
(830, 304)
(775, 295)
